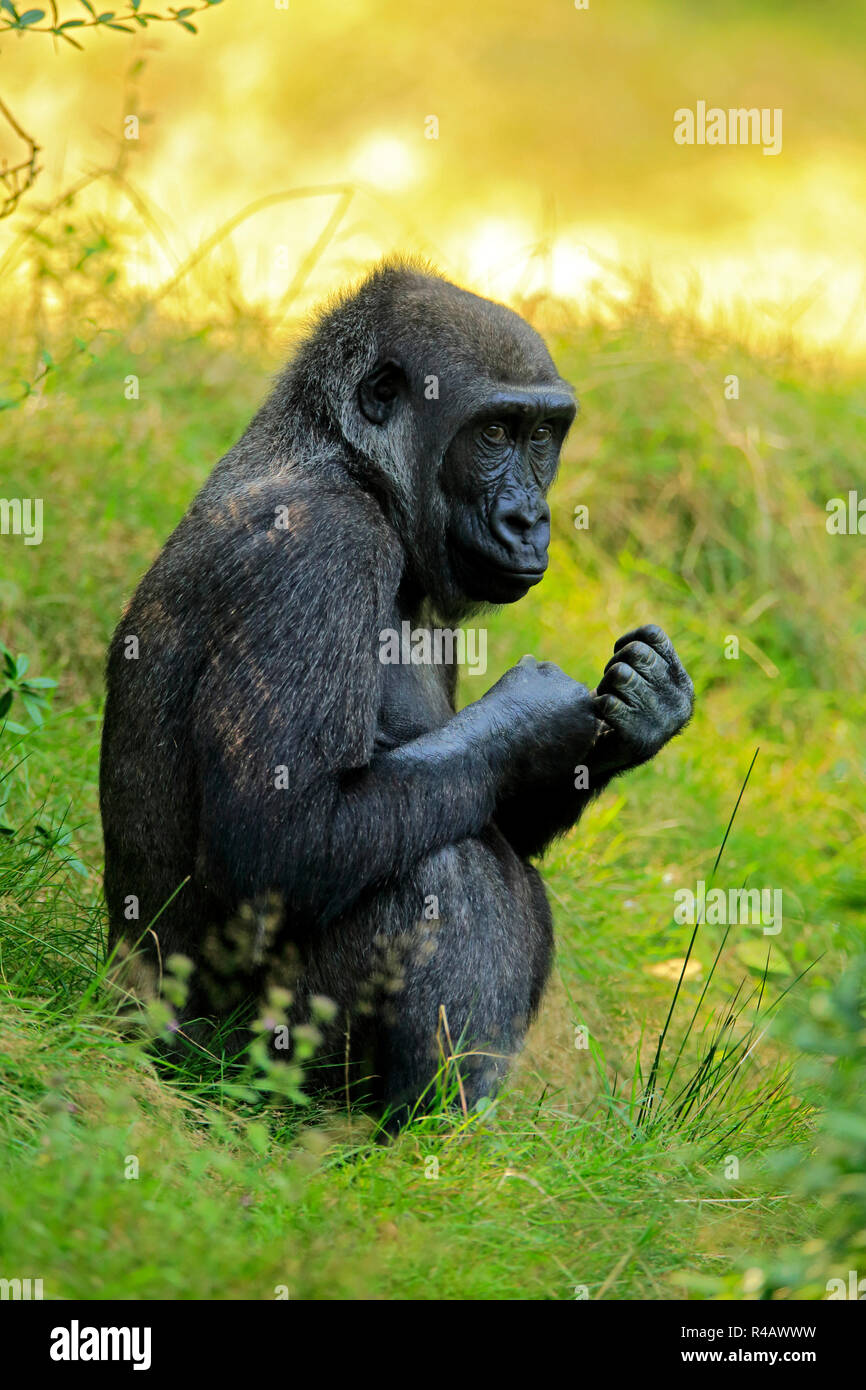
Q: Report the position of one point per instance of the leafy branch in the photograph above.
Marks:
(38, 21)
(16, 179)
(32, 692)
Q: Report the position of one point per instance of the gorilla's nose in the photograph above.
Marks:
(522, 525)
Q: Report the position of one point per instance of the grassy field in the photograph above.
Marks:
(746, 1173)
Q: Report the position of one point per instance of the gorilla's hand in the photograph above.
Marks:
(644, 697)
(546, 720)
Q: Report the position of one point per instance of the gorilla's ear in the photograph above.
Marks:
(379, 390)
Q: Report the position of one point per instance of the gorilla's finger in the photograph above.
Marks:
(626, 683)
(604, 707)
(644, 659)
(614, 713)
(654, 637)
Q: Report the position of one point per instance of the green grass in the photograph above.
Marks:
(707, 516)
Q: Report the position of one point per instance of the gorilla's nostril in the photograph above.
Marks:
(522, 526)
(516, 521)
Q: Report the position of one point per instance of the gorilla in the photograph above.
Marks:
(285, 808)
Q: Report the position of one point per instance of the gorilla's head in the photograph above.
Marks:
(455, 416)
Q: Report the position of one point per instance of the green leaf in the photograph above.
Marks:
(32, 709)
(5, 703)
(846, 1124)
(31, 17)
(41, 683)
(23, 663)
(258, 1137)
(238, 1092)
(754, 954)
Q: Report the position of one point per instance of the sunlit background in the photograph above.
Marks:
(708, 304)
(526, 149)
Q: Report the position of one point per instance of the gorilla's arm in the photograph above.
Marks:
(294, 797)
(644, 698)
(320, 844)
(531, 819)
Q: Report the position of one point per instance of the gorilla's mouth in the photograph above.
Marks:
(524, 578)
(531, 576)
(486, 575)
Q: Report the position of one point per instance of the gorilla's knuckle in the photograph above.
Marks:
(621, 673)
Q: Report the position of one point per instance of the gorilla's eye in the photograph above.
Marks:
(542, 435)
(495, 434)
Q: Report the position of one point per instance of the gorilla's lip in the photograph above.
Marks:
(481, 566)
(525, 573)
(532, 576)
(507, 577)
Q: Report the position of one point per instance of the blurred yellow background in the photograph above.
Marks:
(140, 319)
(555, 168)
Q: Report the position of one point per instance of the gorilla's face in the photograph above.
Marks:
(495, 478)
(462, 419)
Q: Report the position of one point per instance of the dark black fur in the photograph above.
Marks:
(352, 503)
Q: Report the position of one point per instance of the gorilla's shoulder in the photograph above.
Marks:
(287, 521)
(292, 502)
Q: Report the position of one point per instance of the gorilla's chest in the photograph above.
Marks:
(414, 700)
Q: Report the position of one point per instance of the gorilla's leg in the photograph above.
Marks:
(466, 985)
(463, 978)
